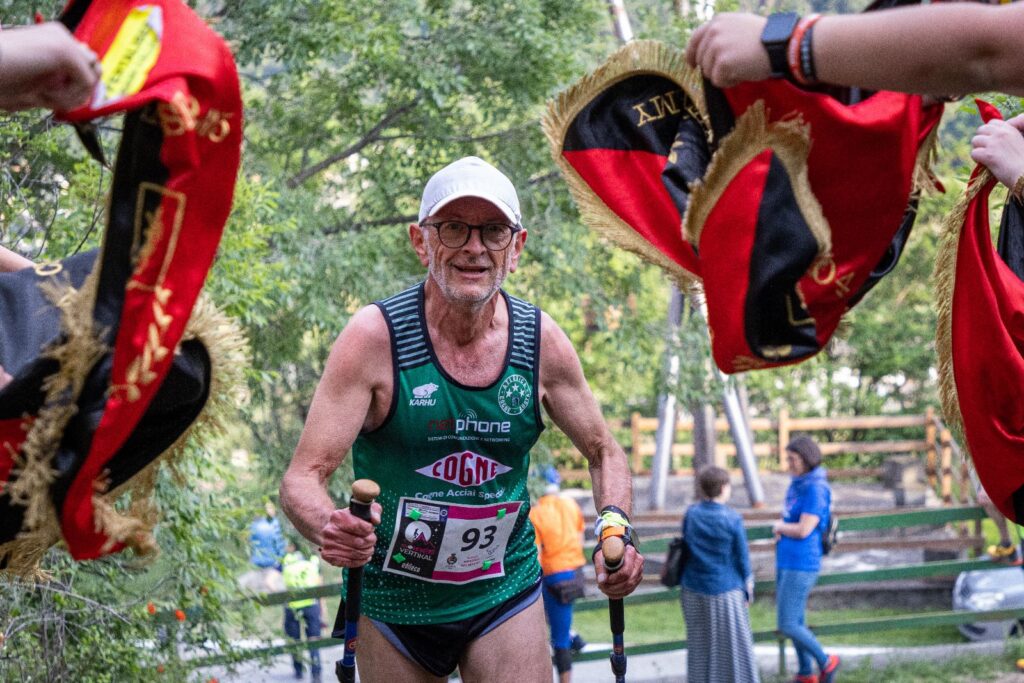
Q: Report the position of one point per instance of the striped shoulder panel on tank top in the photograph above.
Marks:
(408, 342)
(403, 313)
(525, 328)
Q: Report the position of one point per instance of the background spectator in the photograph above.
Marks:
(798, 556)
(717, 585)
(266, 550)
(300, 571)
(558, 524)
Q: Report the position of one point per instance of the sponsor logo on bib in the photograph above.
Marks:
(421, 395)
(465, 469)
(514, 395)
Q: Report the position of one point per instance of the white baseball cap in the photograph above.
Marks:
(470, 177)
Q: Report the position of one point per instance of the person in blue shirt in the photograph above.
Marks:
(266, 540)
(798, 556)
(717, 585)
(266, 551)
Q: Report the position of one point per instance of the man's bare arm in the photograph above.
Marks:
(355, 368)
(571, 405)
(936, 49)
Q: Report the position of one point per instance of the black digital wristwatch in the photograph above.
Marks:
(775, 39)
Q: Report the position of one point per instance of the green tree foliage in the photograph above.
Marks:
(349, 109)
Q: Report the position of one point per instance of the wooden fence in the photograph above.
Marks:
(772, 434)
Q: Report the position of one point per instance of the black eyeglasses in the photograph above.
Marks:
(455, 234)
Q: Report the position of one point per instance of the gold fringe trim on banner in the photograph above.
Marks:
(229, 355)
(790, 141)
(21, 557)
(639, 57)
(944, 279)
(33, 466)
(924, 176)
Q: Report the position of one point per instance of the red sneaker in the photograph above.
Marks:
(828, 674)
(801, 678)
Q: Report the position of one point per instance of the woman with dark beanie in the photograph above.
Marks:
(798, 556)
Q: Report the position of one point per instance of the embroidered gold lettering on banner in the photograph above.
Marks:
(663, 105)
(744, 363)
(777, 352)
(843, 284)
(182, 115)
(157, 234)
(791, 313)
(823, 270)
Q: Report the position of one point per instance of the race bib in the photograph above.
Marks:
(450, 543)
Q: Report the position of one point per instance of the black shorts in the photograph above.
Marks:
(439, 647)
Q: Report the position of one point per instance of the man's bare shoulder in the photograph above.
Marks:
(364, 344)
(368, 323)
(554, 343)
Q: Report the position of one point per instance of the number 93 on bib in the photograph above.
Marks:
(449, 542)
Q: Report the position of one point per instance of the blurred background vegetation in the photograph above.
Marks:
(349, 108)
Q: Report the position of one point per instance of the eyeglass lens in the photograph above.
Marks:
(455, 234)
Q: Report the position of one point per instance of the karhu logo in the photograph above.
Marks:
(465, 469)
(421, 395)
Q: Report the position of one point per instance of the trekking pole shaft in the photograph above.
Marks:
(364, 492)
(613, 551)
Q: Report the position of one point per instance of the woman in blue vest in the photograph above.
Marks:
(798, 556)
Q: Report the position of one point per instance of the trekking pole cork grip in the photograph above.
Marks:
(364, 492)
(613, 550)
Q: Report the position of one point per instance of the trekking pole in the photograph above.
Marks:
(364, 491)
(614, 549)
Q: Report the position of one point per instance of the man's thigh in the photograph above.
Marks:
(379, 661)
(516, 651)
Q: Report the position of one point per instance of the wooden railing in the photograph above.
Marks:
(944, 463)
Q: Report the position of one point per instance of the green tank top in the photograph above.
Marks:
(455, 537)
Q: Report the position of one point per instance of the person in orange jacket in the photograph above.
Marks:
(558, 523)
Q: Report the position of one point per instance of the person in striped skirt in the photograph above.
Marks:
(717, 587)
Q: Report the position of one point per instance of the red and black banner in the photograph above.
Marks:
(980, 336)
(788, 204)
(103, 381)
(803, 200)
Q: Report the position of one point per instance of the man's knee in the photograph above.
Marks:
(562, 660)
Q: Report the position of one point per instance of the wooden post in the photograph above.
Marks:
(931, 463)
(947, 468)
(634, 428)
(783, 437)
(933, 447)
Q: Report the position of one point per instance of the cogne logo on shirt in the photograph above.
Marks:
(465, 469)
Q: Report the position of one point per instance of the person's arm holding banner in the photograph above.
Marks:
(10, 261)
(44, 66)
(944, 49)
(571, 405)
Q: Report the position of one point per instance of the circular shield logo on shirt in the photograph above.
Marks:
(514, 395)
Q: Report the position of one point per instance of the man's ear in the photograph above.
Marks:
(518, 242)
(419, 243)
